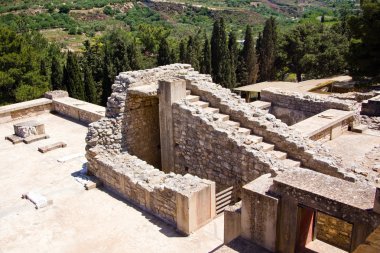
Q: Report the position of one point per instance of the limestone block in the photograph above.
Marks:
(56, 94)
(28, 128)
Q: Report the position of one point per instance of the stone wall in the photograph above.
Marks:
(334, 231)
(184, 200)
(293, 107)
(312, 155)
(371, 107)
(24, 109)
(143, 131)
(77, 109)
(174, 198)
(206, 148)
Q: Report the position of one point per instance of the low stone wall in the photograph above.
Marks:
(312, 155)
(293, 107)
(185, 201)
(371, 107)
(24, 109)
(78, 109)
(54, 101)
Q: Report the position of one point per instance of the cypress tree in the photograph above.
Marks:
(193, 52)
(108, 76)
(182, 52)
(89, 86)
(163, 57)
(233, 54)
(206, 58)
(247, 58)
(72, 77)
(267, 50)
(56, 74)
(218, 51)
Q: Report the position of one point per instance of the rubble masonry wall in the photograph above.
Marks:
(293, 107)
(311, 154)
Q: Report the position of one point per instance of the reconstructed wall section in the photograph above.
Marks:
(142, 120)
(293, 107)
(55, 101)
(311, 154)
(206, 148)
(118, 144)
(184, 201)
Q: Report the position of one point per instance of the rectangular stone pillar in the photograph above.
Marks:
(376, 207)
(360, 232)
(287, 230)
(259, 213)
(169, 93)
(195, 209)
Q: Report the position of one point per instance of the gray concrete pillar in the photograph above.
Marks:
(169, 93)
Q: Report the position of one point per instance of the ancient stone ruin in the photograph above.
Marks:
(185, 149)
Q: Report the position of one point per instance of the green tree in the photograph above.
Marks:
(109, 74)
(163, 57)
(134, 56)
(89, 86)
(247, 72)
(314, 51)
(219, 52)
(364, 54)
(206, 58)
(56, 75)
(182, 52)
(21, 75)
(267, 51)
(233, 58)
(72, 77)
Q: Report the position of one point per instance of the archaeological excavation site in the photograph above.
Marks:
(177, 163)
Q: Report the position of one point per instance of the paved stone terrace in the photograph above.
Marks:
(78, 220)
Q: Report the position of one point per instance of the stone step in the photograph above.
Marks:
(278, 154)
(51, 147)
(232, 123)
(211, 110)
(221, 117)
(192, 98)
(34, 138)
(266, 146)
(14, 139)
(253, 139)
(261, 104)
(188, 92)
(291, 163)
(201, 104)
(244, 131)
(359, 128)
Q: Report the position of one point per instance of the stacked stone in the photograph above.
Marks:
(305, 101)
(143, 184)
(108, 131)
(312, 154)
(210, 149)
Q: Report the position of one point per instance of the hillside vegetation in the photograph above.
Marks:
(80, 46)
